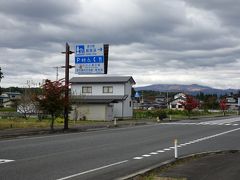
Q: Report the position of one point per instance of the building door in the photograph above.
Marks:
(109, 111)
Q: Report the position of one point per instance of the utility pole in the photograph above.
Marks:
(66, 107)
(56, 67)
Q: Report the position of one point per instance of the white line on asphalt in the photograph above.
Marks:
(153, 153)
(146, 155)
(5, 161)
(92, 170)
(187, 143)
(137, 158)
(167, 149)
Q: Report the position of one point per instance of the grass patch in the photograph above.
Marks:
(10, 123)
(5, 109)
(25, 123)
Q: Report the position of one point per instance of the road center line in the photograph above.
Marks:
(185, 144)
(147, 155)
(92, 170)
(5, 161)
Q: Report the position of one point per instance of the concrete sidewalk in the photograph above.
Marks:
(214, 166)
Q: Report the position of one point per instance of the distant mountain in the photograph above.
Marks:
(191, 89)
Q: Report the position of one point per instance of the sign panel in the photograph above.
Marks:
(89, 59)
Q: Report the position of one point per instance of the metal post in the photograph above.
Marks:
(67, 66)
(67, 87)
(175, 149)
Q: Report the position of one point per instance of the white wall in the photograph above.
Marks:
(90, 111)
(120, 109)
(97, 89)
(128, 111)
(117, 109)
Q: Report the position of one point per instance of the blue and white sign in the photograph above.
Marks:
(89, 59)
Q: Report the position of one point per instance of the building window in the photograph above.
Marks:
(130, 103)
(86, 89)
(107, 89)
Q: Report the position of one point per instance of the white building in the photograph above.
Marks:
(7, 98)
(177, 101)
(102, 97)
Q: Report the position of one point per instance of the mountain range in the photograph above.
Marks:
(191, 89)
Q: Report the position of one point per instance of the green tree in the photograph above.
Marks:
(210, 102)
(52, 99)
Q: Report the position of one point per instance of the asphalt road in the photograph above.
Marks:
(114, 153)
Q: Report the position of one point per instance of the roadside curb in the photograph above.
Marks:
(171, 162)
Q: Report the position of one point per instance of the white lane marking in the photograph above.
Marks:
(5, 161)
(201, 123)
(92, 170)
(153, 153)
(187, 143)
(167, 149)
(179, 123)
(226, 120)
(146, 155)
(137, 158)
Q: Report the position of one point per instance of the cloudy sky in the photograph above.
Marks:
(155, 41)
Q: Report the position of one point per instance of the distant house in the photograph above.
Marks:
(161, 101)
(101, 97)
(176, 103)
(232, 102)
(7, 98)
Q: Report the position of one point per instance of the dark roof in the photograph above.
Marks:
(102, 79)
(98, 99)
(179, 98)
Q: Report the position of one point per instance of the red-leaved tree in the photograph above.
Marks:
(223, 105)
(189, 104)
(52, 99)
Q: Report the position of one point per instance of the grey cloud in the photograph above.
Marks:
(227, 10)
(153, 38)
(44, 10)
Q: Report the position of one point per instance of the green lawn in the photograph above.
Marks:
(18, 122)
(7, 123)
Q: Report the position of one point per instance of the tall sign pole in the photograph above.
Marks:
(66, 107)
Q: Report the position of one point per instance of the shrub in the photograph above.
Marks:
(161, 114)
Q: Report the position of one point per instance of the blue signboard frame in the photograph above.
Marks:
(90, 59)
